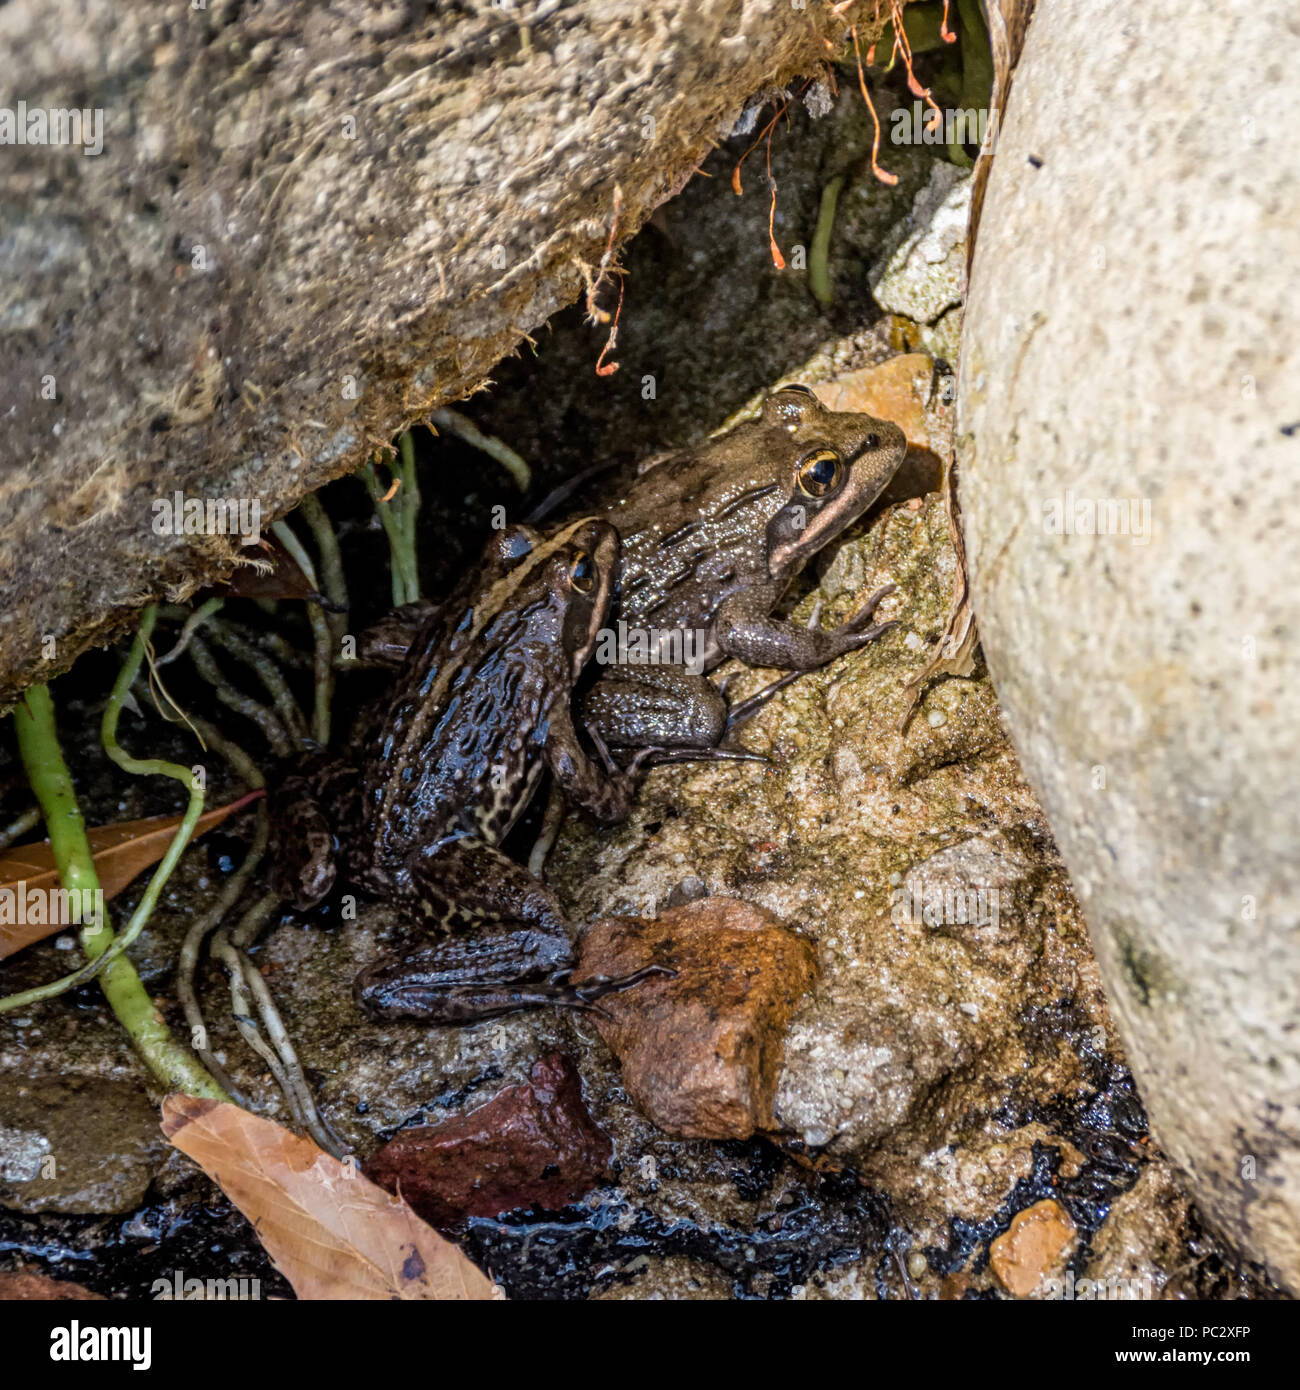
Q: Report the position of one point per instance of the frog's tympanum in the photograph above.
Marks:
(417, 815)
(712, 537)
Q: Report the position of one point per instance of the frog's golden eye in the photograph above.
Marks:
(582, 572)
(820, 473)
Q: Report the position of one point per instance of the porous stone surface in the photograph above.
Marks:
(1130, 479)
(922, 273)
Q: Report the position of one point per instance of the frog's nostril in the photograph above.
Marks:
(872, 441)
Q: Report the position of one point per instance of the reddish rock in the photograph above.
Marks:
(701, 1052)
(27, 1285)
(533, 1143)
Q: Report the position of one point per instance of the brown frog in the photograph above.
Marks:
(712, 537)
(480, 708)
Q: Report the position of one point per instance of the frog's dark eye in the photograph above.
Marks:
(820, 473)
(801, 388)
(582, 572)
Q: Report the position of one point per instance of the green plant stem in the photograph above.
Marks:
(410, 513)
(819, 280)
(322, 639)
(398, 517)
(332, 575)
(462, 425)
(51, 782)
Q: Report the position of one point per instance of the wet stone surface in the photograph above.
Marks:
(529, 1145)
(76, 1144)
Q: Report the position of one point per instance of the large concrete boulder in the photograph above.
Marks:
(1130, 447)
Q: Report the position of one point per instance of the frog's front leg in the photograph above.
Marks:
(508, 949)
(600, 789)
(744, 628)
(655, 706)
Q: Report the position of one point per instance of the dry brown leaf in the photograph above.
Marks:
(122, 852)
(331, 1232)
(956, 652)
(1008, 21)
(279, 576)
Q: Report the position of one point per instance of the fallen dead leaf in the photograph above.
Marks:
(332, 1233)
(955, 655)
(122, 852)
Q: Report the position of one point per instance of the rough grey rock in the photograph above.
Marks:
(921, 273)
(1129, 368)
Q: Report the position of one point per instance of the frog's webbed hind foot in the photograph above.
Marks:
(491, 999)
(508, 948)
(492, 969)
(662, 757)
(747, 709)
(419, 985)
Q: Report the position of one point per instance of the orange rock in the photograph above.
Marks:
(1031, 1246)
(896, 390)
(701, 1051)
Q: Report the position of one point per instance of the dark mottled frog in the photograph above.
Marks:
(481, 706)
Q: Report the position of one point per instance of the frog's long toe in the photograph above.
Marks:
(862, 639)
(747, 709)
(864, 613)
(585, 995)
(662, 757)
